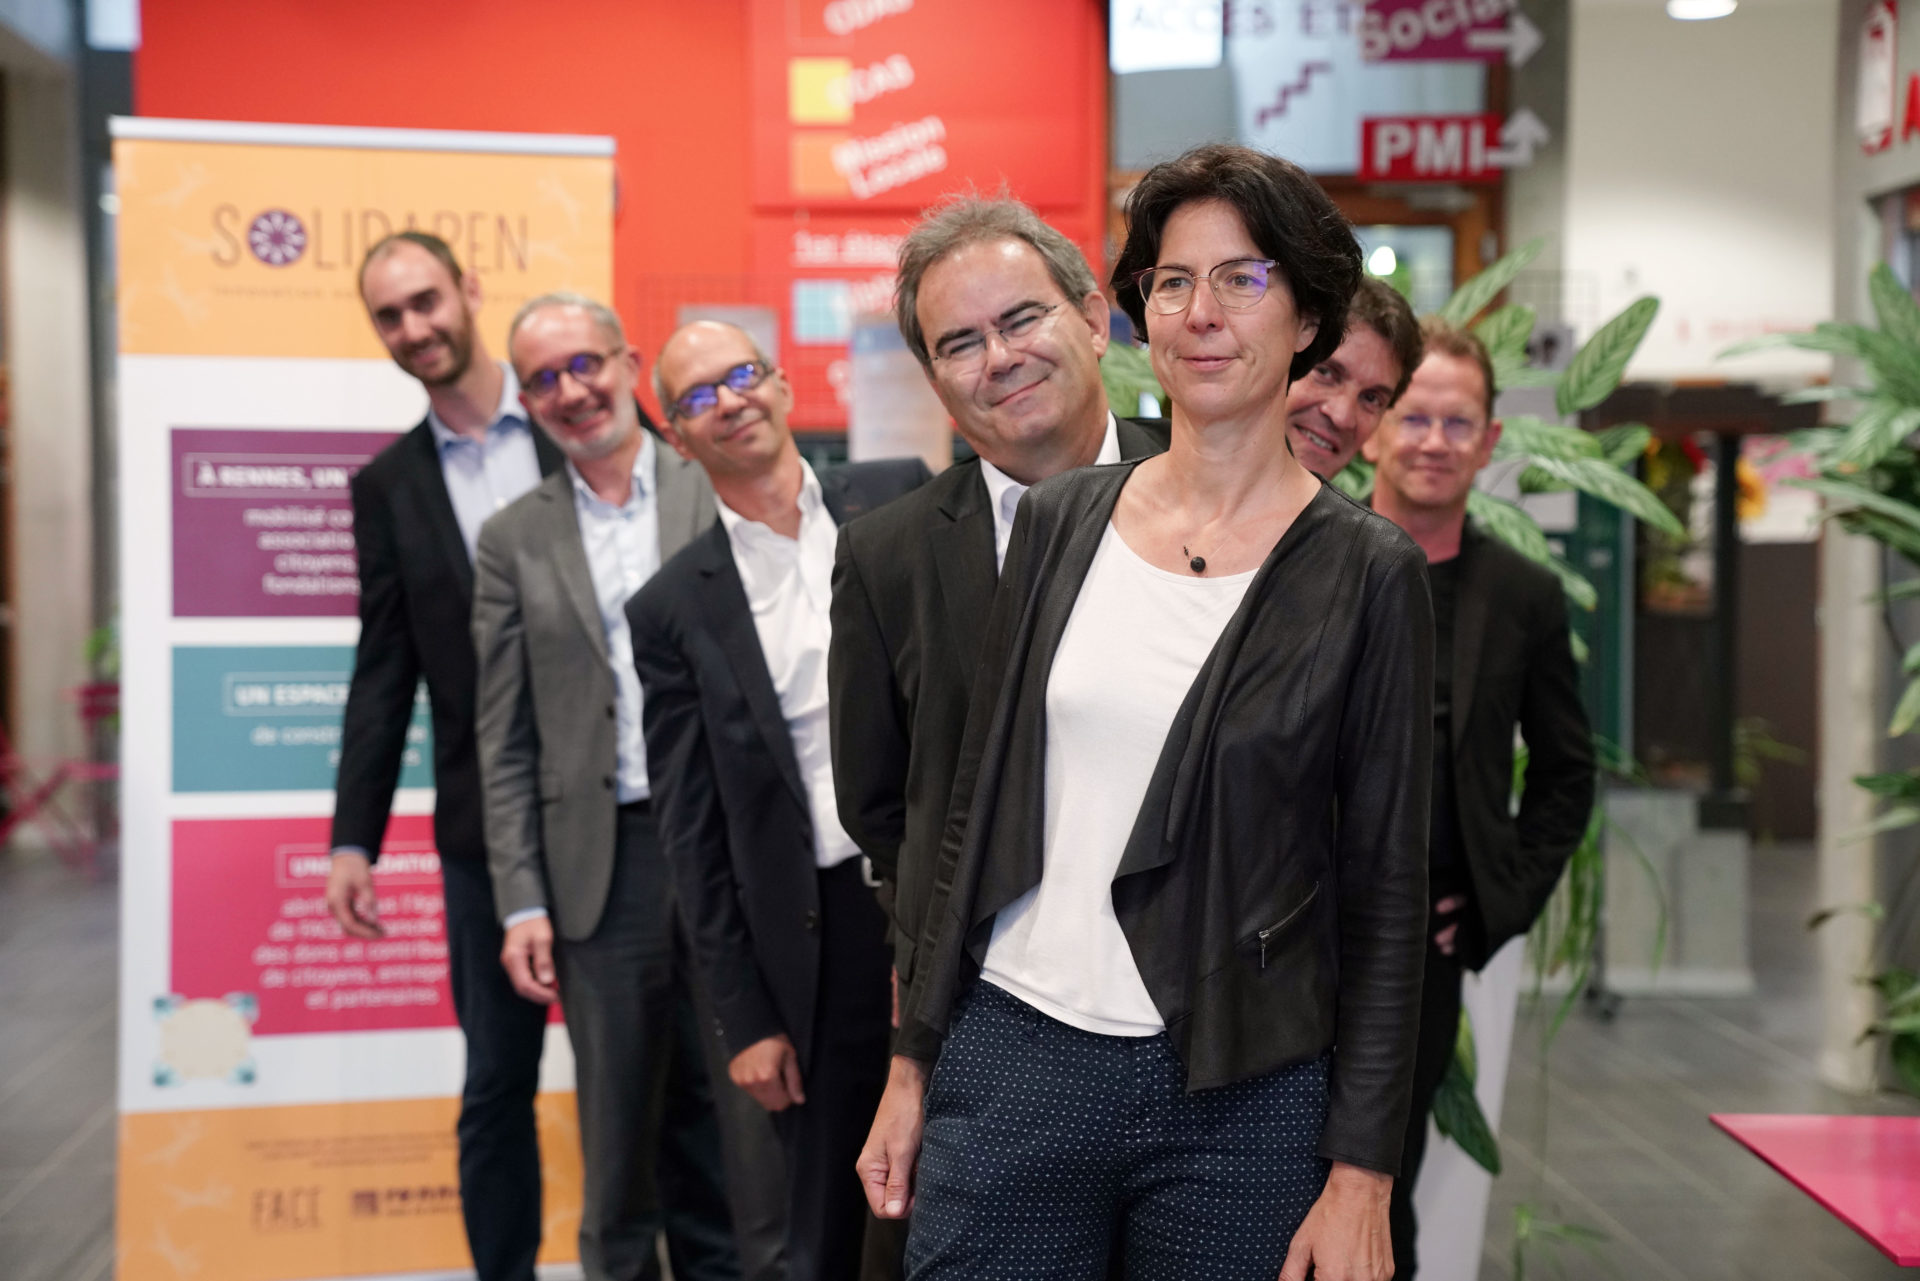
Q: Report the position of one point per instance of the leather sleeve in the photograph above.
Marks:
(868, 719)
(386, 678)
(687, 810)
(1556, 799)
(1383, 772)
(505, 732)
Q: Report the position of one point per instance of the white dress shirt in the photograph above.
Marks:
(789, 587)
(1003, 491)
(1131, 650)
(623, 551)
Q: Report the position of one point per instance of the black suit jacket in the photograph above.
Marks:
(1273, 890)
(912, 587)
(416, 592)
(1513, 665)
(732, 809)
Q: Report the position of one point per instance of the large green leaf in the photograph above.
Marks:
(1524, 436)
(1624, 444)
(1895, 534)
(1599, 365)
(1858, 495)
(1831, 340)
(1464, 1051)
(1476, 293)
(1899, 591)
(1903, 785)
(1609, 484)
(1895, 365)
(1457, 1114)
(1524, 375)
(1505, 331)
(1899, 315)
(1506, 522)
(1355, 480)
(1881, 428)
(1127, 374)
(1906, 712)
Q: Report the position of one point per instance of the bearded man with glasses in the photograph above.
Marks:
(578, 878)
(1503, 660)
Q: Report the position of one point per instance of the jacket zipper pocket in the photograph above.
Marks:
(1266, 935)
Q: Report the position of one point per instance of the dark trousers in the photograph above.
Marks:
(1045, 1144)
(1439, 1029)
(844, 1076)
(649, 1143)
(499, 1145)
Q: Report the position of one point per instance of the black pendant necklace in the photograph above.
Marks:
(1198, 564)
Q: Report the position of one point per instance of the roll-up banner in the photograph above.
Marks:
(287, 1094)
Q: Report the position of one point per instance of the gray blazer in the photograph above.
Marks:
(546, 722)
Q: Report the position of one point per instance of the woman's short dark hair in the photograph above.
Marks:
(1291, 220)
(1385, 310)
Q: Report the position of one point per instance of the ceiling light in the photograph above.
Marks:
(1382, 261)
(1700, 10)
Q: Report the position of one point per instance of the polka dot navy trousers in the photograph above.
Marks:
(1047, 1146)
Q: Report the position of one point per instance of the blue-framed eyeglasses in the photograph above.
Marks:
(585, 366)
(701, 397)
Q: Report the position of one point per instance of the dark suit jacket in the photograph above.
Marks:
(416, 591)
(1513, 665)
(1274, 889)
(912, 587)
(731, 806)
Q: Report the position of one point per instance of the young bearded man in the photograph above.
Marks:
(417, 511)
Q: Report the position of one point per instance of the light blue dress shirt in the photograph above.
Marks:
(623, 551)
(483, 475)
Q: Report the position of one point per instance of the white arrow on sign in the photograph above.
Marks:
(1522, 133)
(1521, 39)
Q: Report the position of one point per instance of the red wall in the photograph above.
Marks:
(668, 79)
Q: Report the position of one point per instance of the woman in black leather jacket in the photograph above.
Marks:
(1171, 971)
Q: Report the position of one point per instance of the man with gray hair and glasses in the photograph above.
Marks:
(1009, 325)
(578, 878)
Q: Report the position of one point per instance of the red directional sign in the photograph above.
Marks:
(1429, 148)
(1447, 31)
(1471, 148)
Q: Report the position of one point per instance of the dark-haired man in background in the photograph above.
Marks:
(1335, 407)
(1504, 660)
(417, 511)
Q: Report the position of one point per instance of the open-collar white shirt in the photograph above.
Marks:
(788, 582)
(1003, 491)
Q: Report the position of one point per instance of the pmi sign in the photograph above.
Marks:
(1165, 35)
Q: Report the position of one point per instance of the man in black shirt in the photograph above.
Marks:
(1503, 659)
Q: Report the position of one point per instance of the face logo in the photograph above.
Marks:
(277, 238)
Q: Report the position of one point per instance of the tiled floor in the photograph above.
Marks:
(57, 992)
(1629, 1151)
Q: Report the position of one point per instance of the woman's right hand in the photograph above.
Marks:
(893, 1145)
